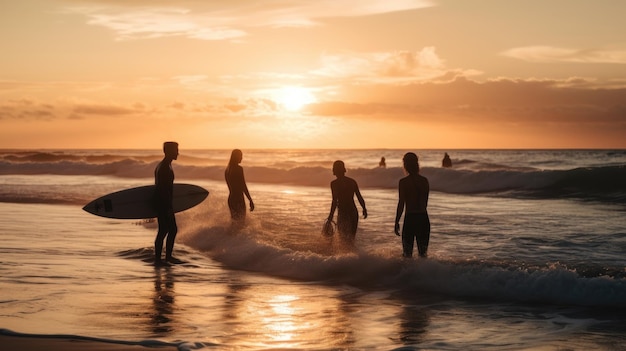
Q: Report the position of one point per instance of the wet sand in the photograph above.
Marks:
(53, 343)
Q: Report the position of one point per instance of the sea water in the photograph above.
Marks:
(527, 252)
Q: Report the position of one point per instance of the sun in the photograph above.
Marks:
(294, 98)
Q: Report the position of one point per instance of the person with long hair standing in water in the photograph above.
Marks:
(237, 187)
(413, 196)
(164, 181)
(343, 190)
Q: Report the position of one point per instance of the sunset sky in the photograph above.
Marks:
(313, 73)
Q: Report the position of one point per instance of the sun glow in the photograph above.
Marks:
(294, 98)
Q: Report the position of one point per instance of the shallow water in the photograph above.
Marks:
(503, 273)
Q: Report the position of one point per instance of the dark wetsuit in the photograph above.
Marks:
(414, 190)
(343, 190)
(416, 228)
(237, 187)
(164, 181)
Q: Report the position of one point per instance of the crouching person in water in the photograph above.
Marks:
(343, 190)
(413, 196)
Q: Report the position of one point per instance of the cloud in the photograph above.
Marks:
(148, 23)
(27, 110)
(224, 20)
(550, 54)
(387, 67)
(43, 109)
(226, 108)
(510, 108)
(495, 101)
(106, 110)
(401, 86)
(336, 108)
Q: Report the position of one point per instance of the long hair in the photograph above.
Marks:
(411, 163)
(235, 157)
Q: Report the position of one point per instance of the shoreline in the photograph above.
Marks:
(38, 342)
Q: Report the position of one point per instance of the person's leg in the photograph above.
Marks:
(408, 235)
(423, 235)
(343, 229)
(347, 224)
(171, 236)
(158, 241)
(237, 208)
(354, 226)
(343, 225)
(351, 227)
(407, 244)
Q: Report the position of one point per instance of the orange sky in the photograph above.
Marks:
(313, 74)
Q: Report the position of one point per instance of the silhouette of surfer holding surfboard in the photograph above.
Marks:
(164, 181)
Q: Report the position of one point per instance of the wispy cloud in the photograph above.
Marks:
(386, 67)
(147, 23)
(24, 109)
(549, 54)
(106, 110)
(224, 20)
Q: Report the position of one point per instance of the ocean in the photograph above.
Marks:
(527, 252)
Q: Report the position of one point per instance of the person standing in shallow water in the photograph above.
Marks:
(237, 187)
(343, 190)
(413, 196)
(164, 181)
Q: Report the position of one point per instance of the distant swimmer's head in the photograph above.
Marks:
(170, 149)
(411, 163)
(339, 168)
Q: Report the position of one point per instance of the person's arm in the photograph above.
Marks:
(361, 201)
(246, 192)
(400, 208)
(333, 204)
(427, 191)
(163, 187)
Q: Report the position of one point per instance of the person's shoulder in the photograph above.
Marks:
(159, 167)
(404, 180)
(355, 185)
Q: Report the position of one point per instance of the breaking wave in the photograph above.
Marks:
(603, 183)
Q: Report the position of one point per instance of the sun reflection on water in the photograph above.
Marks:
(289, 319)
(280, 321)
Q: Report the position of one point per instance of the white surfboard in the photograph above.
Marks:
(138, 203)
